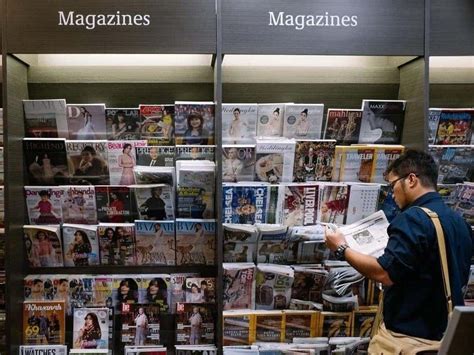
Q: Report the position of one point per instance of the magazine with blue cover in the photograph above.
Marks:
(245, 203)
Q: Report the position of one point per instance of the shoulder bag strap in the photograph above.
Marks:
(442, 253)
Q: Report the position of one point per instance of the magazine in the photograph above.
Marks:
(91, 328)
(156, 289)
(194, 123)
(269, 326)
(454, 127)
(43, 350)
(195, 241)
(201, 290)
(155, 155)
(45, 118)
(303, 121)
(33, 288)
(43, 246)
(122, 159)
(44, 204)
(86, 122)
(335, 324)
(464, 202)
(103, 285)
(154, 202)
(79, 204)
(140, 325)
(455, 163)
(273, 286)
(46, 161)
(238, 327)
(382, 121)
(38, 313)
(384, 156)
(300, 324)
(239, 286)
(363, 321)
(270, 120)
(313, 160)
(81, 292)
(178, 287)
(195, 350)
(343, 125)
(308, 284)
(239, 123)
(333, 202)
(274, 160)
(433, 121)
(156, 243)
(195, 323)
(238, 163)
(354, 163)
(245, 203)
(240, 243)
(122, 123)
(298, 204)
(80, 245)
(363, 199)
(114, 204)
(125, 291)
(145, 350)
(195, 152)
(157, 124)
(88, 162)
(154, 175)
(117, 243)
(271, 243)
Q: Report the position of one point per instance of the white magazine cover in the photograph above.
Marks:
(363, 201)
(44, 204)
(79, 205)
(273, 286)
(303, 121)
(239, 286)
(297, 204)
(45, 118)
(91, 328)
(275, 160)
(238, 162)
(86, 121)
(239, 123)
(122, 159)
(43, 350)
(80, 245)
(270, 120)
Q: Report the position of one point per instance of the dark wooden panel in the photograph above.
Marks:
(383, 27)
(452, 27)
(123, 95)
(15, 79)
(176, 26)
(412, 89)
(452, 95)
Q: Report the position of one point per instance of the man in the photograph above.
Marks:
(195, 320)
(154, 207)
(153, 157)
(141, 322)
(414, 300)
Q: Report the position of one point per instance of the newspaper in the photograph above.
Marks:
(369, 235)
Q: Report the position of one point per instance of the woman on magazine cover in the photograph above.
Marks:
(127, 291)
(127, 161)
(195, 134)
(236, 130)
(115, 209)
(80, 249)
(89, 334)
(232, 166)
(87, 131)
(302, 125)
(156, 293)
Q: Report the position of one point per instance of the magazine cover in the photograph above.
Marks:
(80, 245)
(178, 288)
(343, 125)
(300, 324)
(140, 324)
(156, 243)
(43, 246)
(195, 323)
(240, 252)
(195, 241)
(46, 161)
(81, 292)
(121, 160)
(238, 327)
(156, 289)
(308, 284)
(269, 326)
(45, 118)
(313, 160)
(270, 120)
(433, 121)
(465, 201)
(245, 204)
(454, 126)
(114, 204)
(239, 286)
(33, 288)
(91, 328)
(78, 204)
(272, 242)
(122, 123)
(157, 124)
(194, 123)
(86, 122)
(273, 286)
(238, 163)
(298, 204)
(125, 291)
(274, 160)
(362, 322)
(154, 175)
(43, 350)
(44, 204)
(335, 324)
(103, 285)
(192, 350)
(333, 203)
(88, 162)
(382, 121)
(384, 156)
(36, 317)
(363, 200)
(154, 202)
(354, 163)
(303, 121)
(455, 163)
(196, 152)
(117, 243)
(155, 155)
(201, 290)
(240, 233)
(239, 123)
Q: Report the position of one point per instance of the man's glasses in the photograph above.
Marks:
(392, 184)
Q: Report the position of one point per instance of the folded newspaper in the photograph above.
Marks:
(367, 236)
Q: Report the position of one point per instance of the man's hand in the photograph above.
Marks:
(334, 238)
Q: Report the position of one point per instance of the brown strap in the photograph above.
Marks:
(442, 253)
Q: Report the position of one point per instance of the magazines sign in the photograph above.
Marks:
(112, 26)
(356, 27)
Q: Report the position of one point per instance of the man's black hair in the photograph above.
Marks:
(417, 162)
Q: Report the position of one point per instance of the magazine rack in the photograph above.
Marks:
(217, 28)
